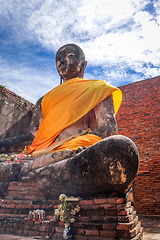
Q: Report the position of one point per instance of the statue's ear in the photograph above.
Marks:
(84, 64)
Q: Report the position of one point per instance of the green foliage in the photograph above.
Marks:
(2, 87)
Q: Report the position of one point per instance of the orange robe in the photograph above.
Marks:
(66, 104)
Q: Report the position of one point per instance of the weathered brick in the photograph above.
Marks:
(87, 202)
(116, 200)
(108, 233)
(91, 232)
(125, 212)
(138, 119)
(13, 187)
(110, 219)
(109, 206)
(22, 206)
(96, 218)
(10, 205)
(91, 207)
(100, 201)
(59, 229)
(80, 231)
(109, 226)
(131, 233)
(29, 197)
(123, 206)
(81, 237)
(83, 219)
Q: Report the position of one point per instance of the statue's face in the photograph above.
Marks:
(68, 62)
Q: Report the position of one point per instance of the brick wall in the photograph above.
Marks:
(15, 114)
(139, 119)
(99, 218)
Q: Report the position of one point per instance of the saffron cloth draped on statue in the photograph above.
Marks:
(66, 104)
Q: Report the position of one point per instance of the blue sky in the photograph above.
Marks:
(120, 38)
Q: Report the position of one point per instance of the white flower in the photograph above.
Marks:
(62, 197)
(62, 219)
(73, 212)
(72, 220)
(56, 212)
(62, 212)
(77, 208)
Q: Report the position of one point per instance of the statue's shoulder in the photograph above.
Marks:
(39, 101)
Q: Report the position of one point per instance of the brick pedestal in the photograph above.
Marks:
(108, 218)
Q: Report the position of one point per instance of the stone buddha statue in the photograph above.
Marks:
(73, 136)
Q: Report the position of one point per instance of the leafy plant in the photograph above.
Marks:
(66, 211)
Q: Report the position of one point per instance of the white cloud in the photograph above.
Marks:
(26, 81)
(113, 34)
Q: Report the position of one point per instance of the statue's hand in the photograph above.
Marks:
(104, 131)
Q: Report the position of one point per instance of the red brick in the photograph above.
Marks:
(87, 202)
(12, 193)
(87, 207)
(78, 224)
(91, 232)
(29, 197)
(108, 233)
(109, 206)
(100, 201)
(43, 228)
(57, 235)
(110, 219)
(13, 187)
(116, 200)
(83, 219)
(131, 233)
(138, 119)
(97, 218)
(81, 237)
(109, 212)
(128, 218)
(10, 205)
(61, 223)
(59, 229)
(28, 222)
(22, 206)
(109, 226)
(125, 226)
(80, 231)
(45, 206)
(18, 231)
(123, 206)
(35, 206)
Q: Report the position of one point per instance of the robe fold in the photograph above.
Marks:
(66, 104)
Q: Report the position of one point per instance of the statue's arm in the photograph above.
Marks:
(18, 143)
(105, 118)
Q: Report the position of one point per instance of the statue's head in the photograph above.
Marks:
(70, 61)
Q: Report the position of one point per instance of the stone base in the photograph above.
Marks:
(100, 218)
